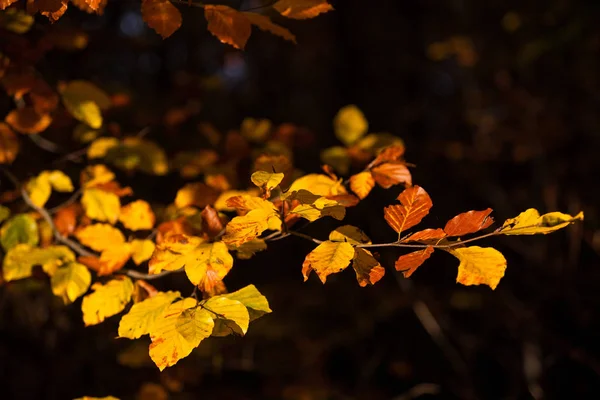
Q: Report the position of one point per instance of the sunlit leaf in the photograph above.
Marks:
(85, 101)
(426, 234)
(367, 268)
(302, 9)
(196, 194)
(100, 147)
(230, 310)
(267, 180)
(101, 205)
(250, 297)
(141, 250)
(362, 184)
(19, 261)
(469, 222)
(408, 263)
(479, 265)
(94, 175)
(111, 259)
(248, 227)
(40, 187)
(328, 258)
(530, 222)
(65, 219)
(318, 184)
(392, 173)
(70, 281)
(388, 154)
(162, 16)
(415, 205)
(142, 316)
(350, 234)
(350, 124)
(137, 216)
(106, 300)
(322, 207)
(100, 237)
(20, 229)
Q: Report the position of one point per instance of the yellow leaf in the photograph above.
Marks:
(162, 16)
(248, 227)
(267, 180)
(142, 316)
(19, 261)
(101, 205)
(107, 300)
(100, 147)
(250, 297)
(248, 249)
(176, 252)
(40, 187)
(137, 153)
(320, 208)
(70, 281)
(100, 237)
(328, 258)
(94, 175)
(232, 313)
(256, 130)
(179, 330)
(318, 184)
(350, 124)
(350, 234)
(211, 256)
(302, 9)
(221, 202)
(479, 265)
(141, 250)
(137, 216)
(16, 21)
(20, 229)
(362, 184)
(85, 101)
(114, 258)
(367, 268)
(530, 222)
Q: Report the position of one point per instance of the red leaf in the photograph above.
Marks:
(416, 204)
(426, 234)
(409, 263)
(469, 222)
(391, 173)
(211, 223)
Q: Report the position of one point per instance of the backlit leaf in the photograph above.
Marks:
(350, 124)
(20, 229)
(264, 23)
(84, 101)
(426, 234)
(142, 316)
(141, 250)
(171, 254)
(100, 147)
(94, 175)
(209, 256)
(350, 234)
(530, 222)
(362, 184)
(318, 184)
(196, 194)
(231, 310)
(28, 121)
(250, 297)
(162, 16)
(137, 216)
(100, 237)
(106, 300)
(322, 207)
(302, 9)
(101, 205)
(228, 25)
(388, 154)
(65, 219)
(415, 205)
(469, 222)
(392, 173)
(479, 265)
(367, 268)
(19, 261)
(40, 187)
(266, 180)
(248, 227)
(211, 222)
(70, 281)
(111, 259)
(246, 250)
(135, 153)
(9, 144)
(408, 263)
(328, 258)
(338, 158)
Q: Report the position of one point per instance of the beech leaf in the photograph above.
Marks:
(469, 222)
(142, 316)
(530, 222)
(302, 9)
(162, 16)
(408, 263)
(415, 205)
(106, 300)
(328, 258)
(362, 184)
(479, 265)
(367, 268)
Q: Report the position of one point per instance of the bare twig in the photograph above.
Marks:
(68, 202)
(148, 277)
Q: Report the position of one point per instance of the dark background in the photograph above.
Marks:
(511, 122)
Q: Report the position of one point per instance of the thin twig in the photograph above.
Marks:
(307, 237)
(45, 144)
(188, 3)
(148, 277)
(261, 7)
(68, 202)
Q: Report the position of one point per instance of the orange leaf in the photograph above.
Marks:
(27, 120)
(302, 9)
(6, 3)
(65, 219)
(367, 268)
(195, 194)
(9, 144)
(362, 184)
(264, 23)
(54, 9)
(162, 16)
(416, 204)
(409, 263)
(388, 154)
(391, 173)
(426, 234)
(469, 222)
(137, 216)
(228, 25)
(90, 6)
(211, 223)
(110, 260)
(179, 226)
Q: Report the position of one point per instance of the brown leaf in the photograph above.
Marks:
(9, 144)
(264, 23)
(469, 222)
(178, 226)
(27, 120)
(90, 6)
(362, 184)
(211, 222)
(65, 219)
(426, 234)
(392, 173)
(367, 268)
(409, 263)
(228, 25)
(388, 154)
(302, 9)
(346, 200)
(162, 16)
(415, 204)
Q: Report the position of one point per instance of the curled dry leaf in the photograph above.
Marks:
(415, 205)
(391, 173)
(211, 222)
(367, 268)
(408, 263)
(162, 16)
(469, 222)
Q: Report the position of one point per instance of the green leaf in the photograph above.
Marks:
(20, 229)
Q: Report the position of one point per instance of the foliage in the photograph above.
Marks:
(101, 235)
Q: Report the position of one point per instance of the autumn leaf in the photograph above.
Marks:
(267, 181)
(100, 205)
(162, 16)
(142, 316)
(426, 234)
(479, 265)
(210, 256)
(196, 194)
(19, 260)
(251, 298)
(85, 101)
(9, 144)
(171, 251)
(367, 268)
(141, 250)
(5, 3)
(40, 187)
(415, 205)
(392, 173)
(137, 216)
(318, 184)
(106, 300)
(408, 263)
(100, 237)
(211, 222)
(388, 154)
(248, 227)
(530, 222)
(180, 329)
(232, 313)
(322, 207)
(95, 175)
(220, 203)
(302, 9)
(65, 219)
(328, 258)
(469, 222)
(90, 6)
(350, 124)
(100, 147)
(264, 23)
(338, 158)
(350, 234)
(131, 153)
(362, 184)
(70, 281)
(20, 229)
(248, 249)
(28, 121)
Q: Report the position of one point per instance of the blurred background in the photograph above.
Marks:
(498, 104)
